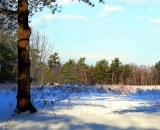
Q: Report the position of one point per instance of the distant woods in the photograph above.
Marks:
(47, 67)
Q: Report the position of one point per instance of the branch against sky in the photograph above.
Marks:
(8, 9)
(10, 6)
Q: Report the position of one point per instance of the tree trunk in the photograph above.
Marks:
(24, 31)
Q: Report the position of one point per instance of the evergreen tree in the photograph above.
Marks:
(68, 74)
(101, 72)
(8, 59)
(54, 61)
(126, 73)
(90, 75)
(54, 64)
(157, 67)
(116, 70)
(48, 76)
(81, 68)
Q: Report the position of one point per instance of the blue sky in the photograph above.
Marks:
(128, 29)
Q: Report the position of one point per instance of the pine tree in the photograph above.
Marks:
(81, 68)
(157, 67)
(48, 76)
(101, 72)
(54, 65)
(90, 75)
(126, 73)
(54, 61)
(68, 73)
(116, 70)
(8, 59)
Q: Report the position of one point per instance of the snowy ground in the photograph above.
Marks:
(84, 108)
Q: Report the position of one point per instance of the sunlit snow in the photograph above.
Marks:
(73, 107)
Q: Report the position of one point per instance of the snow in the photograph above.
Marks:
(73, 107)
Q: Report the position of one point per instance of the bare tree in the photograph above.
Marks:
(40, 49)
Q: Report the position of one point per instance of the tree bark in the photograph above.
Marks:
(24, 31)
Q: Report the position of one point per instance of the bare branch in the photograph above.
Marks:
(7, 11)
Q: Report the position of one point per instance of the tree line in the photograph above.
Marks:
(47, 68)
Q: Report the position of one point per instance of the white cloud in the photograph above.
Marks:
(149, 8)
(101, 24)
(138, 1)
(46, 19)
(141, 17)
(131, 1)
(152, 20)
(36, 22)
(50, 17)
(108, 9)
(66, 2)
(157, 21)
(109, 20)
(91, 56)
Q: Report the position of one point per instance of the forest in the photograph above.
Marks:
(47, 67)
(72, 95)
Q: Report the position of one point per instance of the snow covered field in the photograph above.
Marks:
(84, 108)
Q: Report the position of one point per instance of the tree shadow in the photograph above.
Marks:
(143, 109)
(61, 122)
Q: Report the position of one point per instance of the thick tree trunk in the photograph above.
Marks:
(24, 31)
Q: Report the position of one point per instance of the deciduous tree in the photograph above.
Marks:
(40, 49)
